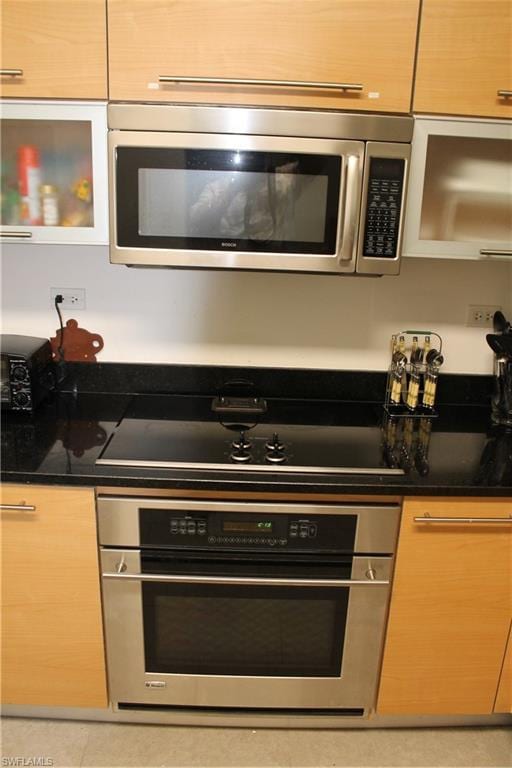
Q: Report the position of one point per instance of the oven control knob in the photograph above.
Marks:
(241, 443)
(371, 574)
(275, 444)
(240, 456)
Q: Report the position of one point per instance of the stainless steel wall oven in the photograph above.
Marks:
(250, 607)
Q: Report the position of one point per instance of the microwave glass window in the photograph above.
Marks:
(467, 193)
(243, 205)
(225, 199)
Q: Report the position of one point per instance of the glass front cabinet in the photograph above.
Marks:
(460, 190)
(54, 172)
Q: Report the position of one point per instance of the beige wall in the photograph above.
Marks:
(251, 319)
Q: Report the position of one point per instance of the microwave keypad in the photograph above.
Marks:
(383, 206)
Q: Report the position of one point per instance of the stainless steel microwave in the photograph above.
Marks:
(257, 189)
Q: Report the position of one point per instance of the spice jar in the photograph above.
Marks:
(50, 205)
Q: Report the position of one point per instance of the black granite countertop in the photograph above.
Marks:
(459, 453)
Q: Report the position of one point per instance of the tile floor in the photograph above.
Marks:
(73, 744)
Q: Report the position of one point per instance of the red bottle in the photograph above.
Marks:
(29, 182)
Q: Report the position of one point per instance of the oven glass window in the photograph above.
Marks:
(229, 200)
(240, 630)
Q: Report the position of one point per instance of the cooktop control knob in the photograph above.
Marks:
(275, 457)
(275, 444)
(241, 443)
(240, 456)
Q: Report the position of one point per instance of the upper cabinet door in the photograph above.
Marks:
(464, 65)
(366, 45)
(54, 49)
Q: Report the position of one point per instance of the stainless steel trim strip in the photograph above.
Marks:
(252, 468)
(260, 121)
(19, 235)
(500, 253)
(450, 520)
(269, 83)
(249, 580)
(11, 73)
(503, 93)
(17, 507)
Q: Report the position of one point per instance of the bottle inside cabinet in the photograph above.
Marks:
(46, 173)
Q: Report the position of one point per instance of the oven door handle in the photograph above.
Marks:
(250, 580)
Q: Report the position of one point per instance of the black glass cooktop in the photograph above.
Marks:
(210, 442)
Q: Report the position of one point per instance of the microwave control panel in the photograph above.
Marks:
(383, 206)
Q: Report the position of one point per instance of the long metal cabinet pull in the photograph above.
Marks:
(503, 93)
(269, 83)
(16, 234)
(11, 73)
(17, 507)
(481, 520)
(249, 580)
(493, 252)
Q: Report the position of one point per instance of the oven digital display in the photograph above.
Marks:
(262, 526)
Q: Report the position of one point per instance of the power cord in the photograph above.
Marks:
(61, 364)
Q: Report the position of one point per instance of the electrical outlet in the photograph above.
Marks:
(74, 298)
(480, 315)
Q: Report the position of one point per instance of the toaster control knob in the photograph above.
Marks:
(19, 373)
(21, 399)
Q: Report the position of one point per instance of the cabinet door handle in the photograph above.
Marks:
(17, 508)
(269, 83)
(503, 93)
(11, 73)
(496, 253)
(458, 520)
(18, 235)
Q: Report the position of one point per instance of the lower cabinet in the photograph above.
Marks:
(51, 638)
(450, 612)
(503, 701)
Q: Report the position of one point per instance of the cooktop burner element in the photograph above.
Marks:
(265, 447)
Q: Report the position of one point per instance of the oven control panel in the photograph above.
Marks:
(163, 528)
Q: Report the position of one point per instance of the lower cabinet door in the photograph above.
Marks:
(450, 607)
(52, 637)
(503, 701)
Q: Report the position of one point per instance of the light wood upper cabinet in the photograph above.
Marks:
(52, 637)
(450, 609)
(60, 48)
(464, 58)
(362, 42)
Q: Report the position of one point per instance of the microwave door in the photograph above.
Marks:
(235, 202)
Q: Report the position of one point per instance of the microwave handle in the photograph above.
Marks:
(351, 196)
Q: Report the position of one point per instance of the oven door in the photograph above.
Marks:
(234, 201)
(231, 630)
